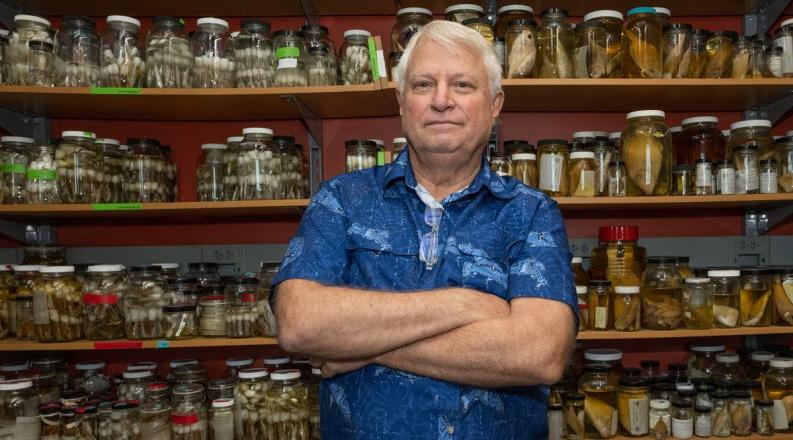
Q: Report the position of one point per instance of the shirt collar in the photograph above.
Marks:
(401, 169)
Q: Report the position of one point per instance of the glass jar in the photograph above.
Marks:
(642, 44)
(610, 357)
(583, 307)
(58, 366)
(581, 277)
(647, 153)
(725, 177)
(783, 38)
(741, 413)
(111, 185)
(399, 145)
(213, 315)
(206, 275)
(599, 294)
(754, 133)
(759, 365)
(42, 175)
(589, 55)
(483, 27)
(604, 154)
(651, 369)
(582, 174)
(617, 180)
(682, 180)
(180, 322)
(253, 52)
(682, 420)
(189, 374)
(764, 416)
(242, 318)
(259, 165)
(575, 415)
(221, 419)
(319, 65)
(18, 402)
(28, 28)
(524, 161)
(783, 292)
(719, 49)
(660, 419)
(91, 377)
(785, 152)
(409, 22)
(626, 308)
(249, 402)
(768, 176)
(124, 419)
(617, 257)
(701, 139)
(170, 175)
(145, 170)
(555, 41)
(122, 53)
(318, 37)
(104, 289)
(79, 166)
(237, 286)
(41, 67)
(778, 387)
(290, 51)
(757, 309)
(77, 62)
(662, 390)
(743, 63)
(553, 155)
(213, 54)
(209, 174)
(291, 167)
(611, 22)
(14, 158)
(461, 12)
(143, 304)
(520, 48)
(57, 297)
(775, 62)
(662, 307)
(168, 54)
(728, 368)
(221, 388)
(356, 67)
(600, 389)
(22, 321)
(677, 50)
(509, 13)
(500, 164)
(133, 387)
(155, 420)
(720, 412)
(633, 399)
(43, 255)
(231, 175)
(275, 363)
(235, 365)
(698, 304)
(684, 268)
(286, 403)
(361, 154)
(43, 383)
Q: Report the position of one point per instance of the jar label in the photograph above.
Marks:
(42, 174)
(287, 63)
(702, 426)
(704, 176)
(14, 168)
(601, 317)
(746, 180)
(524, 156)
(726, 178)
(287, 52)
(639, 410)
(682, 428)
(41, 314)
(768, 182)
(551, 171)
(780, 416)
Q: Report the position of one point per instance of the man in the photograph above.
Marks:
(437, 297)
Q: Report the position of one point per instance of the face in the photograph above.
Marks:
(446, 106)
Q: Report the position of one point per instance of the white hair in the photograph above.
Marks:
(451, 34)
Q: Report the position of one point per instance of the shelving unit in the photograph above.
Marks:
(594, 335)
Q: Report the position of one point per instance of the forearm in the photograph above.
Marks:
(344, 323)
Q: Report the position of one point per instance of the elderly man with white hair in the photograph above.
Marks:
(437, 297)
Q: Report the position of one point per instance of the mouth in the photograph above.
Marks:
(442, 124)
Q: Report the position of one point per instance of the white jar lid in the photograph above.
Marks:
(213, 20)
(88, 366)
(400, 140)
(583, 134)
(123, 147)
(603, 354)
(347, 33)
(697, 280)
(316, 371)
(615, 135)
(464, 7)
(379, 142)
(786, 22)
(21, 139)
(662, 11)
(724, 273)
(414, 11)
(582, 155)
(256, 130)
(145, 365)
(684, 386)
(105, 268)
(13, 385)
(222, 403)
(6, 267)
(123, 19)
(762, 356)
(57, 269)
(659, 404)
(700, 119)
(137, 374)
(5, 32)
(253, 373)
(507, 8)
(276, 360)
(231, 139)
(776, 138)
(789, 133)
(603, 13)
(601, 134)
(524, 156)
(239, 362)
(751, 123)
(646, 113)
(176, 363)
(707, 348)
(108, 141)
(576, 260)
(27, 267)
(14, 367)
(727, 358)
(677, 129)
(27, 17)
(213, 146)
(626, 290)
(166, 265)
(285, 375)
(781, 363)
(77, 133)
(234, 34)
(580, 290)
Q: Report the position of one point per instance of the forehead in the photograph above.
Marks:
(432, 58)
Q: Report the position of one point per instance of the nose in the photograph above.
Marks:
(442, 99)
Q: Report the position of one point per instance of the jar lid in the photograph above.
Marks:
(27, 17)
(659, 404)
(682, 404)
(728, 358)
(754, 271)
(124, 405)
(108, 141)
(583, 134)
(276, 360)
(186, 280)
(618, 233)
(751, 123)
(12, 385)
(27, 267)
(762, 356)
(663, 386)
(77, 133)
(57, 269)
(145, 269)
(662, 11)
(700, 348)
(516, 144)
(580, 290)
(700, 120)
(257, 130)
(646, 113)
(214, 146)
(768, 162)
(253, 373)
(697, 280)
(555, 11)
(222, 403)
(781, 362)
(599, 283)
(359, 142)
(239, 362)
(360, 32)
(212, 298)
(542, 142)
(604, 13)
(316, 371)
(741, 394)
(603, 354)
(508, 8)
(626, 290)
(166, 265)
(176, 363)
(723, 273)
(677, 129)
(400, 140)
(144, 365)
(184, 389)
(232, 139)
(12, 367)
(123, 19)
(424, 11)
(465, 7)
(576, 260)
(236, 280)
(661, 260)
(184, 419)
(213, 20)
(633, 381)
(50, 362)
(649, 363)
(764, 402)
(105, 268)
(135, 141)
(285, 375)
(157, 386)
(582, 155)
(20, 139)
(137, 374)
(684, 387)
(615, 135)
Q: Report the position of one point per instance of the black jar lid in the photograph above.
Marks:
(597, 368)
(202, 266)
(256, 25)
(682, 404)
(78, 21)
(663, 386)
(574, 397)
(542, 142)
(360, 142)
(763, 402)
(741, 394)
(661, 260)
(283, 141)
(702, 409)
(599, 283)
(517, 144)
(186, 280)
(157, 269)
(729, 34)
(634, 381)
(555, 11)
(170, 19)
(179, 308)
(703, 161)
(521, 22)
(311, 29)
(682, 260)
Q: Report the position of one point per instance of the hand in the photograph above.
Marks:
(334, 368)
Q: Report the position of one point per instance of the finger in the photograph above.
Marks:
(317, 362)
(328, 371)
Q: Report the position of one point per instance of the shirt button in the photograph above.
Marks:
(450, 429)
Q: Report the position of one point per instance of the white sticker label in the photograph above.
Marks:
(639, 415)
(768, 183)
(682, 429)
(780, 416)
(601, 318)
(41, 315)
(287, 63)
(551, 171)
(746, 180)
(704, 176)
(381, 66)
(726, 178)
(702, 426)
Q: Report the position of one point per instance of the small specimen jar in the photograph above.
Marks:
(698, 304)
(553, 164)
(14, 158)
(626, 308)
(213, 54)
(168, 54)
(210, 175)
(253, 52)
(290, 52)
(57, 299)
(361, 154)
(249, 402)
(599, 294)
(356, 67)
(122, 53)
(180, 321)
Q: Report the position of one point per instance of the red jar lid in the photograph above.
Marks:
(618, 233)
(184, 419)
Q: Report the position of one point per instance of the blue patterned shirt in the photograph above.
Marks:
(370, 229)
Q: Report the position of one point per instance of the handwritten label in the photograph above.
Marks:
(115, 91)
(116, 206)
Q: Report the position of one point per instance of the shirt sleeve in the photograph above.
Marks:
(318, 251)
(540, 265)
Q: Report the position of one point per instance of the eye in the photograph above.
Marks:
(419, 85)
(465, 85)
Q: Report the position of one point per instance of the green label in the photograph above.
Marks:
(115, 91)
(287, 52)
(381, 157)
(42, 174)
(373, 60)
(116, 206)
(14, 168)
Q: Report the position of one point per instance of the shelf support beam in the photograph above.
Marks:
(28, 233)
(772, 110)
(760, 19)
(313, 124)
(25, 125)
(758, 221)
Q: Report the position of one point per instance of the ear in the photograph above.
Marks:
(496, 104)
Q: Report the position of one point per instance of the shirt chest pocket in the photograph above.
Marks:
(382, 261)
(478, 266)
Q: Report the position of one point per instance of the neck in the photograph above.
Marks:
(441, 175)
